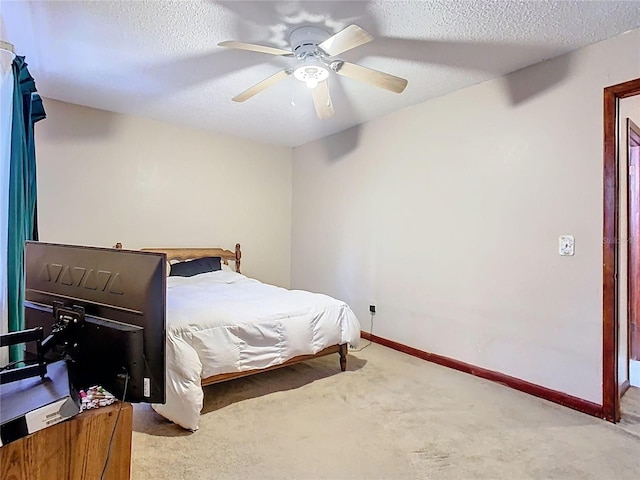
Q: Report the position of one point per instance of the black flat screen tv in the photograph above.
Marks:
(118, 298)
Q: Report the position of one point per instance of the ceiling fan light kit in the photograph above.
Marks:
(311, 74)
(314, 49)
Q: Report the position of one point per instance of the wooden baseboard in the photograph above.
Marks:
(624, 387)
(554, 396)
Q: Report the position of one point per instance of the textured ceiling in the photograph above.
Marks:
(160, 59)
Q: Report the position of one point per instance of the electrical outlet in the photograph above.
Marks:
(566, 245)
(372, 309)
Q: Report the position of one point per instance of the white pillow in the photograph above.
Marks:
(231, 267)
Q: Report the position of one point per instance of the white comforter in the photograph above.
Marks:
(222, 322)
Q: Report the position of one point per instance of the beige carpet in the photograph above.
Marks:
(630, 411)
(390, 416)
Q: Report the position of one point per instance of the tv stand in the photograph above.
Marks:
(75, 449)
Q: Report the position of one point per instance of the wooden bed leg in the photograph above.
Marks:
(344, 349)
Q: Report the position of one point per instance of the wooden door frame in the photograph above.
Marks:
(633, 134)
(633, 257)
(610, 250)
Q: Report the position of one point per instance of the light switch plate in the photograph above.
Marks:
(566, 245)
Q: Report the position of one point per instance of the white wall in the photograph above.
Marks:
(447, 217)
(105, 178)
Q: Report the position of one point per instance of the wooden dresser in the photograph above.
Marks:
(75, 449)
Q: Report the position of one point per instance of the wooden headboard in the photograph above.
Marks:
(183, 254)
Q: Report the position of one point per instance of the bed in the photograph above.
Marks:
(223, 325)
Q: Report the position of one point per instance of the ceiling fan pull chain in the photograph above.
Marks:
(328, 97)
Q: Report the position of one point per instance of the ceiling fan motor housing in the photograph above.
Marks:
(305, 40)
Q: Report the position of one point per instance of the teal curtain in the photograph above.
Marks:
(23, 220)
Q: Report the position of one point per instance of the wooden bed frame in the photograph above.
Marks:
(184, 254)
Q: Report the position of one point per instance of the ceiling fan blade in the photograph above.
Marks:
(322, 101)
(263, 85)
(351, 37)
(374, 77)
(255, 48)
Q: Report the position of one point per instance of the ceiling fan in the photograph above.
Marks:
(315, 51)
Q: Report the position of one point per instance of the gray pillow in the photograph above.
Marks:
(195, 267)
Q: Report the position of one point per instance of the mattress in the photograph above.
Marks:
(224, 322)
